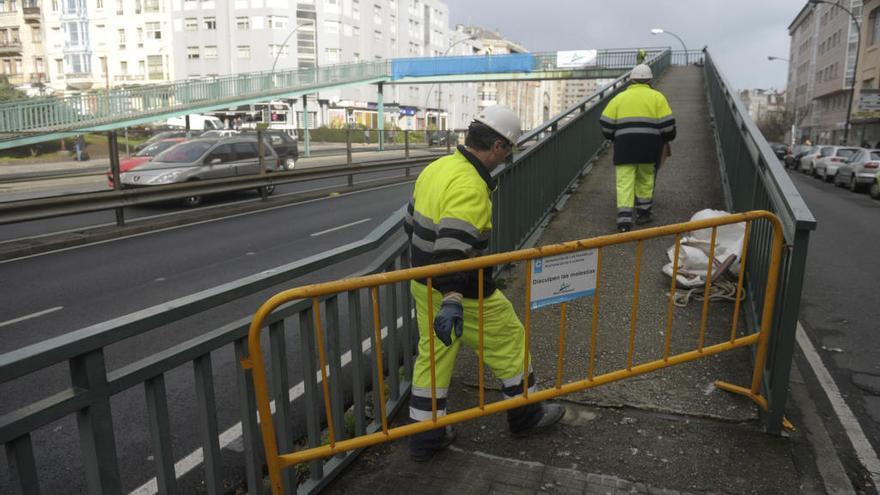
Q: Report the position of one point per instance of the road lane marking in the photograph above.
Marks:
(34, 315)
(864, 451)
(176, 227)
(233, 433)
(356, 222)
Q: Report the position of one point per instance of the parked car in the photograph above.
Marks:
(220, 133)
(859, 170)
(168, 134)
(808, 161)
(780, 149)
(826, 166)
(794, 158)
(286, 146)
(143, 156)
(439, 138)
(203, 158)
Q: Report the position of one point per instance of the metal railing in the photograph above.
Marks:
(105, 110)
(753, 178)
(327, 295)
(94, 383)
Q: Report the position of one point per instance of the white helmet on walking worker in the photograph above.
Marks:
(641, 72)
(501, 120)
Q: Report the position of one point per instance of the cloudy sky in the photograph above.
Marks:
(740, 34)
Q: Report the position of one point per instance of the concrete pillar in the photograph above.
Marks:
(305, 125)
(380, 104)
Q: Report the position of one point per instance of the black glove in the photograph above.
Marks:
(451, 316)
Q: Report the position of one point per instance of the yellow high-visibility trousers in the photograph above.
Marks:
(635, 191)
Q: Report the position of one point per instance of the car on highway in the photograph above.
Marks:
(143, 156)
(799, 151)
(808, 161)
(220, 133)
(779, 148)
(286, 146)
(201, 159)
(859, 171)
(826, 166)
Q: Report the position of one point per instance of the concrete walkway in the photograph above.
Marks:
(666, 432)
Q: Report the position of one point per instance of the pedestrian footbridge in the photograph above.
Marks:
(339, 357)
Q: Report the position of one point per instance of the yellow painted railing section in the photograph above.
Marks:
(277, 461)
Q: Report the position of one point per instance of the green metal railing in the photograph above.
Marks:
(755, 180)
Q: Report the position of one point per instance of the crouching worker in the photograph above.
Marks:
(449, 218)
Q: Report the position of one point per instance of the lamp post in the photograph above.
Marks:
(272, 75)
(656, 31)
(852, 86)
(439, 90)
(795, 121)
(284, 43)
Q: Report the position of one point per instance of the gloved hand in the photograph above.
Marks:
(449, 318)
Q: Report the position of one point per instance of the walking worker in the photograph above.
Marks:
(640, 123)
(641, 55)
(449, 218)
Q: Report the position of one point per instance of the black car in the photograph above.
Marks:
(439, 138)
(285, 146)
(794, 158)
(780, 149)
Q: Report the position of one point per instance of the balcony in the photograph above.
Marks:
(79, 80)
(128, 77)
(32, 12)
(13, 46)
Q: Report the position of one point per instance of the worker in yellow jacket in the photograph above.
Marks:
(450, 218)
(640, 123)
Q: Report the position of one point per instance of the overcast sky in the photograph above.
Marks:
(740, 34)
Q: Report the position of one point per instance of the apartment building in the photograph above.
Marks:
(823, 48)
(866, 110)
(22, 56)
(762, 102)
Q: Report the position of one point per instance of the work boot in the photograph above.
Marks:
(423, 446)
(643, 218)
(624, 227)
(551, 414)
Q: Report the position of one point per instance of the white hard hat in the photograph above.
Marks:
(641, 72)
(501, 120)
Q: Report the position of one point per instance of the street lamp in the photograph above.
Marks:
(284, 43)
(656, 31)
(852, 86)
(772, 58)
(439, 90)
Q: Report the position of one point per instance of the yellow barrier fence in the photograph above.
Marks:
(277, 461)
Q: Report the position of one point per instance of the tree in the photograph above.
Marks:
(774, 125)
(8, 91)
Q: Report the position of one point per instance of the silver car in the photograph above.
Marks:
(203, 158)
(859, 170)
(825, 167)
(808, 160)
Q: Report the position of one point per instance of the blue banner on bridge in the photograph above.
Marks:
(444, 66)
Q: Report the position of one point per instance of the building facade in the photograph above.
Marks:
(824, 41)
(22, 54)
(760, 103)
(866, 110)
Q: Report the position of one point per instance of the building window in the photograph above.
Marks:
(191, 24)
(123, 68)
(121, 35)
(119, 8)
(151, 6)
(211, 51)
(59, 65)
(377, 35)
(276, 22)
(154, 67)
(154, 30)
(242, 23)
(278, 50)
(356, 10)
(192, 52)
(244, 51)
(140, 37)
(377, 14)
(210, 23)
(36, 34)
(874, 26)
(331, 27)
(333, 55)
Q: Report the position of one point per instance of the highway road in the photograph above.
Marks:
(840, 315)
(54, 293)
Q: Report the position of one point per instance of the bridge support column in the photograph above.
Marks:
(113, 145)
(306, 125)
(380, 105)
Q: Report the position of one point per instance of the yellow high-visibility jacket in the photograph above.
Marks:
(639, 121)
(449, 218)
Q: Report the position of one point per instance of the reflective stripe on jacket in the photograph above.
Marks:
(449, 218)
(639, 121)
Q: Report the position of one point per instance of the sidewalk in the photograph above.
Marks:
(669, 431)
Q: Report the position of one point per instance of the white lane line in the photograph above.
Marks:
(356, 222)
(232, 434)
(864, 451)
(34, 315)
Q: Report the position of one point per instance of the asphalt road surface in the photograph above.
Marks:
(54, 293)
(840, 313)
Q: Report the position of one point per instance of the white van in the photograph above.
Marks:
(196, 122)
